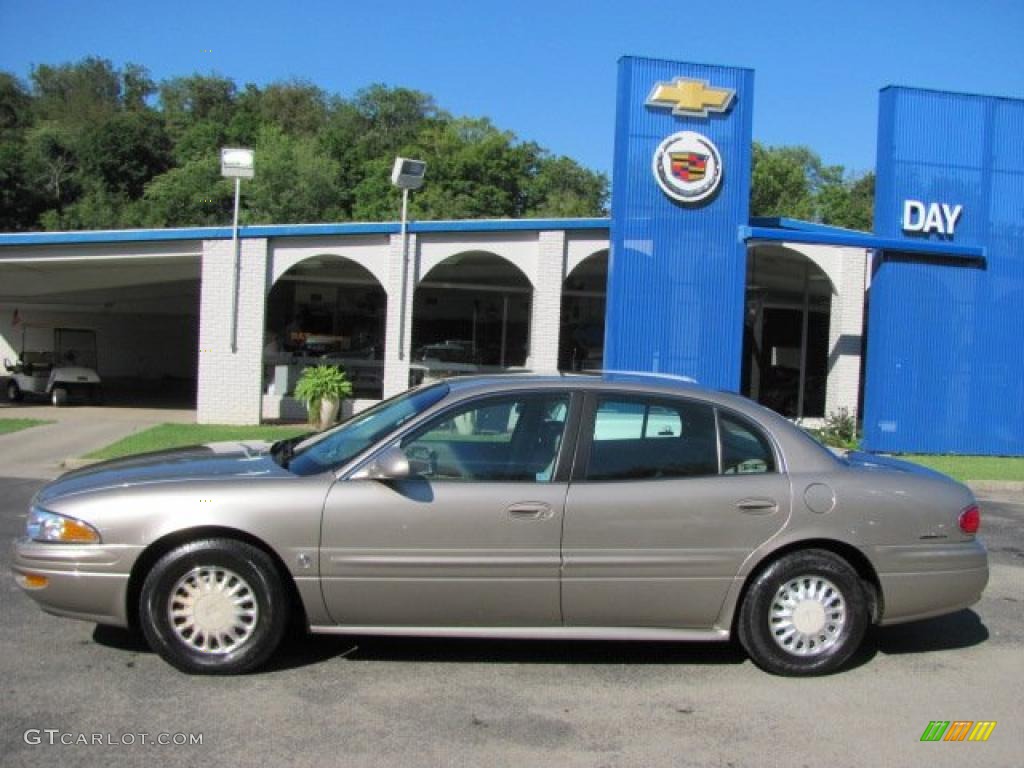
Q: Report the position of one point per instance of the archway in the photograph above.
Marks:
(326, 309)
(584, 296)
(471, 314)
(786, 332)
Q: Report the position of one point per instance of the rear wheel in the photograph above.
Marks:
(215, 606)
(805, 614)
(13, 391)
(59, 396)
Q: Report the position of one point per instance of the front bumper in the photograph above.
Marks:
(88, 582)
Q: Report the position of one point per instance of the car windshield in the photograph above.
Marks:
(337, 446)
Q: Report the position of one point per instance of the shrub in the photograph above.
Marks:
(840, 430)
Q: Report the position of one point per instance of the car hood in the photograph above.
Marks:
(870, 461)
(200, 462)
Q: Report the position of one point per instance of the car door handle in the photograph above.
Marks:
(530, 510)
(759, 506)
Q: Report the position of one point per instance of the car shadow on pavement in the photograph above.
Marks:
(120, 639)
(300, 651)
(962, 629)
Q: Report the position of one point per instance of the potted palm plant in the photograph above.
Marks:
(323, 387)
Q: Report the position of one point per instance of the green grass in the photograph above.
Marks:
(16, 425)
(965, 468)
(166, 436)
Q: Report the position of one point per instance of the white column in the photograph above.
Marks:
(546, 319)
(846, 326)
(396, 369)
(230, 383)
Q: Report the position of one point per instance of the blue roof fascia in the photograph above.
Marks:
(781, 222)
(113, 236)
(509, 225)
(865, 240)
(297, 230)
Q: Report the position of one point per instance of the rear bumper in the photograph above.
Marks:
(88, 582)
(931, 580)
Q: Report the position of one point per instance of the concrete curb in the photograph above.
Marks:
(988, 486)
(78, 463)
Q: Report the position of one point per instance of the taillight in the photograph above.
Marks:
(970, 519)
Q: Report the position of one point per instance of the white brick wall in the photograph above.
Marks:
(396, 369)
(546, 318)
(845, 328)
(229, 382)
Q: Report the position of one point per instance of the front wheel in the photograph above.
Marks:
(805, 614)
(214, 606)
(13, 391)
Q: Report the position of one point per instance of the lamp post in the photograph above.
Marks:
(406, 175)
(236, 164)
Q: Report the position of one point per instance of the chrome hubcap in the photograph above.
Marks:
(807, 616)
(212, 610)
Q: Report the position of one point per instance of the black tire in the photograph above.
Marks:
(819, 652)
(13, 391)
(206, 559)
(59, 396)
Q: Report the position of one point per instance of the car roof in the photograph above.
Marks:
(639, 382)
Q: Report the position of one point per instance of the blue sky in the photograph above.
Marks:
(546, 70)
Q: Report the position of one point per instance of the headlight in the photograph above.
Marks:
(48, 526)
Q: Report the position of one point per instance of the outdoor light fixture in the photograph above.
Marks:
(406, 174)
(236, 164)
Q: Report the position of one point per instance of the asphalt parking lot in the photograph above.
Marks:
(382, 702)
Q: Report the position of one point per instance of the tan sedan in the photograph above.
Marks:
(618, 507)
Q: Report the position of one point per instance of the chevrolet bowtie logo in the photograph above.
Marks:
(690, 98)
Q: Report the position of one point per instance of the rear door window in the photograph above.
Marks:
(637, 438)
(745, 449)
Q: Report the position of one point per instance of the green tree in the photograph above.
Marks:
(15, 105)
(188, 100)
(781, 182)
(296, 107)
(137, 87)
(125, 151)
(561, 187)
(76, 94)
(192, 195)
(849, 203)
(51, 161)
(20, 200)
(794, 182)
(294, 182)
(88, 146)
(474, 170)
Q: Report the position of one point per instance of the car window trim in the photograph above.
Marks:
(585, 439)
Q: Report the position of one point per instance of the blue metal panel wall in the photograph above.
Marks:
(945, 358)
(676, 274)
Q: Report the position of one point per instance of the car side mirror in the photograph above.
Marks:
(391, 464)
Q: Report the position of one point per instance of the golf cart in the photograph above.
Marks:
(66, 371)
